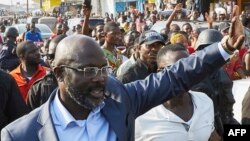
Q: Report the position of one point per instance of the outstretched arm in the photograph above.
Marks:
(184, 74)
(86, 12)
(171, 17)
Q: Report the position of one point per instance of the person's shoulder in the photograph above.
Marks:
(16, 71)
(4, 74)
(124, 67)
(5, 77)
(130, 70)
(38, 33)
(28, 33)
(25, 123)
(201, 97)
(114, 85)
(38, 81)
(44, 79)
(43, 68)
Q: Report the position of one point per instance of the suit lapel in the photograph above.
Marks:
(115, 119)
(47, 132)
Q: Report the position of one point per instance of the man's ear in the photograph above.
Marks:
(59, 73)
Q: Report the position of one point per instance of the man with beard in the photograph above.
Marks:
(150, 42)
(29, 70)
(92, 105)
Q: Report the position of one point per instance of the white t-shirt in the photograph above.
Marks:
(160, 124)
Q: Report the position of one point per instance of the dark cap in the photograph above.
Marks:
(223, 26)
(150, 37)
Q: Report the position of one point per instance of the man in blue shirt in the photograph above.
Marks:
(91, 105)
(33, 35)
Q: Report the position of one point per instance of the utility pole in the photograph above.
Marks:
(27, 5)
(99, 8)
(11, 9)
(41, 4)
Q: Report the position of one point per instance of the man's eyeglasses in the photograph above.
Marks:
(91, 71)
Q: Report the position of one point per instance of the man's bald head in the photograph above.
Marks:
(75, 48)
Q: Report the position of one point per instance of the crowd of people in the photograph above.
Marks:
(122, 80)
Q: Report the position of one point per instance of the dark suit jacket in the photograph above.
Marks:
(12, 105)
(126, 102)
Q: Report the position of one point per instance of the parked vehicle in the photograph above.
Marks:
(93, 21)
(33, 19)
(42, 28)
(49, 21)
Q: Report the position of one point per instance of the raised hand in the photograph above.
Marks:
(86, 11)
(235, 39)
(178, 7)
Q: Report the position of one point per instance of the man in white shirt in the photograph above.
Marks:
(189, 116)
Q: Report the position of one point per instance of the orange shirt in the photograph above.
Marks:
(23, 82)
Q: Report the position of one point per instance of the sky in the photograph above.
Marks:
(8, 2)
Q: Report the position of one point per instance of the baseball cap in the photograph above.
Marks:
(223, 26)
(150, 37)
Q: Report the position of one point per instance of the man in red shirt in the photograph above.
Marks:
(29, 70)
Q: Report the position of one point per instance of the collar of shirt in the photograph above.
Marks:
(172, 117)
(39, 69)
(64, 118)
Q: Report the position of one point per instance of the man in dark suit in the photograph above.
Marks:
(12, 105)
(92, 105)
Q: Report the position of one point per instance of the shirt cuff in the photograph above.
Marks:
(224, 54)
